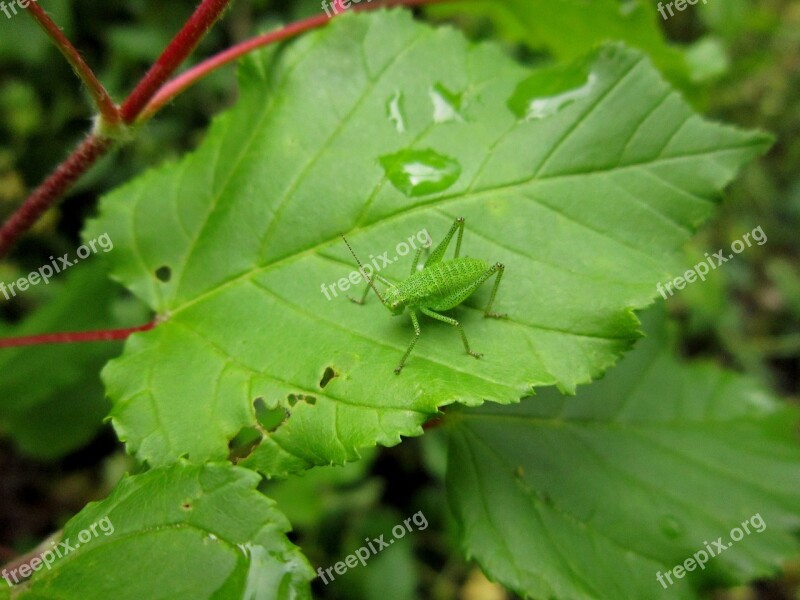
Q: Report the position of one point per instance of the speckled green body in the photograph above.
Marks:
(440, 286)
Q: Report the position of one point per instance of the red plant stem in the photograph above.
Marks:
(146, 96)
(176, 86)
(433, 423)
(174, 54)
(103, 335)
(193, 75)
(18, 561)
(105, 105)
(83, 157)
(94, 146)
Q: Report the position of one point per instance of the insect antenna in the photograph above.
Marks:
(364, 272)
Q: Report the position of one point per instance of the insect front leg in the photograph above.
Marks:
(438, 254)
(375, 276)
(415, 322)
(455, 324)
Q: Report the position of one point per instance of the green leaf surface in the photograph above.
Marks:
(582, 180)
(178, 532)
(591, 496)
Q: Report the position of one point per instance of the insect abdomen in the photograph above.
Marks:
(440, 286)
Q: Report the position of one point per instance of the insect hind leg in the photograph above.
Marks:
(454, 323)
(438, 254)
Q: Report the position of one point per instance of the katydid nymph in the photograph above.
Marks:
(440, 285)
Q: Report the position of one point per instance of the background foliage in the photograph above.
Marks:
(735, 61)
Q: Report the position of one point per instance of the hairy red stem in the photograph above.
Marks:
(95, 146)
(18, 560)
(84, 156)
(195, 74)
(105, 105)
(147, 97)
(103, 335)
(176, 86)
(174, 54)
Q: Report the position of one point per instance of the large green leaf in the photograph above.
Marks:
(591, 496)
(582, 180)
(179, 532)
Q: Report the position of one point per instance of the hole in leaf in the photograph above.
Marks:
(244, 443)
(186, 506)
(327, 376)
(164, 274)
(269, 419)
(295, 398)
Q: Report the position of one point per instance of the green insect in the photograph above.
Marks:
(440, 285)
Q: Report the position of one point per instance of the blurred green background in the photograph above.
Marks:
(745, 70)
